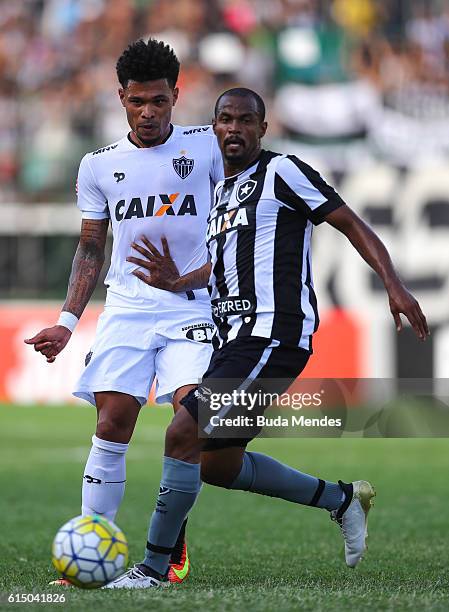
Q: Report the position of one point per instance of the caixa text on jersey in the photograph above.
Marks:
(156, 206)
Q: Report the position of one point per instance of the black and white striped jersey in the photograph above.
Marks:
(259, 240)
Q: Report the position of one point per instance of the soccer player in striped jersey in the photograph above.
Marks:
(264, 305)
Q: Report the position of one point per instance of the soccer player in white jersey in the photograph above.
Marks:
(157, 181)
(260, 280)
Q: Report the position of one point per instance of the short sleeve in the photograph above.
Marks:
(91, 200)
(298, 186)
(216, 169)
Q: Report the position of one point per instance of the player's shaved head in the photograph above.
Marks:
(242, 92)
(239, 125)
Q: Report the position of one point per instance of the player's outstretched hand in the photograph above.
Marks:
(403, 302)
(50, 341)
(163, 272)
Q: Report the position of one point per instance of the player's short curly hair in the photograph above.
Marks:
(147, 61)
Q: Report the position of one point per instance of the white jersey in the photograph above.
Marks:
(158, 191)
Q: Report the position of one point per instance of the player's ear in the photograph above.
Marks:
(263, 128)
(175, 95)
(214, 124)
(121, 95)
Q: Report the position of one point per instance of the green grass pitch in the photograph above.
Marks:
(248, 552)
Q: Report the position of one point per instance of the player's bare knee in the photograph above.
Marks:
(181, 440)
(177, 440)
(117, 416)
(115, 428)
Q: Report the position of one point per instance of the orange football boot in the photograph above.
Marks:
(179, 567)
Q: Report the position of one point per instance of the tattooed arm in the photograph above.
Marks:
(86, 267)
(197, 279)
(87, 264)
(163, 272)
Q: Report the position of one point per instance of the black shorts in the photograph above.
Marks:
(253, 364)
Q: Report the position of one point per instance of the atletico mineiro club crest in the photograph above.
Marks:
(183, 166)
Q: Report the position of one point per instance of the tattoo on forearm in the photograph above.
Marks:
(197, 279)
(87, 264)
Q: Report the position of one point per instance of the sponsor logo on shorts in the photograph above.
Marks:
(226, 307)
(200, 332)
(203, 394)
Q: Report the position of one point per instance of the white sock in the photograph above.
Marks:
(104, 478)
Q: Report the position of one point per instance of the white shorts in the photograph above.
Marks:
(132, 347)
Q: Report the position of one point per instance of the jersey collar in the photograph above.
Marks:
(169, 135)
(253, 163)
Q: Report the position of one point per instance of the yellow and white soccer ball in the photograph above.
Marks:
(90, 551)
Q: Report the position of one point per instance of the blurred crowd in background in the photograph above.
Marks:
(367, 76)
